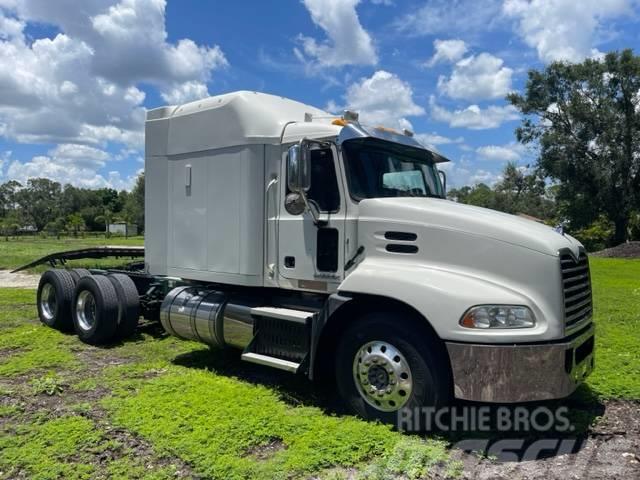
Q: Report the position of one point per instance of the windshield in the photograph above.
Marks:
(378, 169)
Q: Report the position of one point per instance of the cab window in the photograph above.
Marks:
(324, 182)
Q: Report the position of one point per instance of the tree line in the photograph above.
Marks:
(42, 205)
(584, 121)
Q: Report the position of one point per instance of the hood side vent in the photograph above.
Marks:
(399, 248)
(401, 236)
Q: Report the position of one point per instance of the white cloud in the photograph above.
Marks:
(382, 99)
(474, 117)
(5, 158)
(43, 166)
(74, 164)
(80, 88)
(432, 140)
(81, 85)
(503, 153)
(348, 43)
(47, 93)
(564, 29)
(185, 92)
(447, 51)
(477, 77)
(461, 173)
(449, 16)
(79, 155)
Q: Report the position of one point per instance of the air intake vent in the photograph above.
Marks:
(401, 236)
(576, 283)
(398, 248)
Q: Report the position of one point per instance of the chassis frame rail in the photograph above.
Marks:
(94, 252)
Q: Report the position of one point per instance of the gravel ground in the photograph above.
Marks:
(610, 450)
(21, 280)
(624, 250)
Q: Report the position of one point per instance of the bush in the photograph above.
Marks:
(596, 236)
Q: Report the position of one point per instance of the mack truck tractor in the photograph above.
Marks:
(324, 247)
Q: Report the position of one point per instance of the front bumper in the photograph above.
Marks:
(521, 373)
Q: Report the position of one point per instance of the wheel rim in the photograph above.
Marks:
(86, 310)
(48, 302)
(382, 376)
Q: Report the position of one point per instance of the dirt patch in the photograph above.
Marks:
(20, 280)
(611, 449)
(624, 250)
(264, 452)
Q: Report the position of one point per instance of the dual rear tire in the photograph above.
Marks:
(100, 308)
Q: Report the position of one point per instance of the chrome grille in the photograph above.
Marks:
(576, 282)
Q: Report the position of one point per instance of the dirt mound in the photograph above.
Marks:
(624, 250)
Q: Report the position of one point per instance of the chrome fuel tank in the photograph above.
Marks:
(208, 316)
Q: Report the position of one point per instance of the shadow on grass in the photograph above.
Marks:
(581, 410)
(537, 430)
(293, 389)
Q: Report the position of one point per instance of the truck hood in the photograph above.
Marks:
(448, 215)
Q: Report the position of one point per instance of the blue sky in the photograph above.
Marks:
(75, 77)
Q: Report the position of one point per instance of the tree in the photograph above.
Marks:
(75, 222)
(57, 227)
(39, 201)
(522, 190)
(107, 218)
(9, 225)
(8, 198)
(480, 195)
(134, 205)
(585, 119)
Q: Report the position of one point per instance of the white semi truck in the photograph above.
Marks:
(317, 245)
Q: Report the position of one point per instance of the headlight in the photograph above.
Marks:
(498, 316)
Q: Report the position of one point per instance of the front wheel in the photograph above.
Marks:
(384, 364)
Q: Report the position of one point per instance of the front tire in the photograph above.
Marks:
(384, 364)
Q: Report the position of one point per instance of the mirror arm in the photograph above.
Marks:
(317, 221)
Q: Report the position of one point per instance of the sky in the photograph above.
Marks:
(77, 75)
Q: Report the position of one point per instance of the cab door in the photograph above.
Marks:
(310, 256)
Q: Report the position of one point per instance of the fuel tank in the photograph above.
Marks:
(208, 316)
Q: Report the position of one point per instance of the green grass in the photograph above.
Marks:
(22, 250)
(58, 448)
(34, 347)
(67, 448)
(616, 296)
(206, 410)
(214, 422)
(186, 410)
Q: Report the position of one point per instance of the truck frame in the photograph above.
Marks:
(323, 247)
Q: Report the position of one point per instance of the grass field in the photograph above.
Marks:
(22, 250)
(158, 408)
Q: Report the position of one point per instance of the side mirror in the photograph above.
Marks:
(443, 180)
(299, 168)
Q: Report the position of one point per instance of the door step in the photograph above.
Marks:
(286, 314)
(282, 338)
(274, 362)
